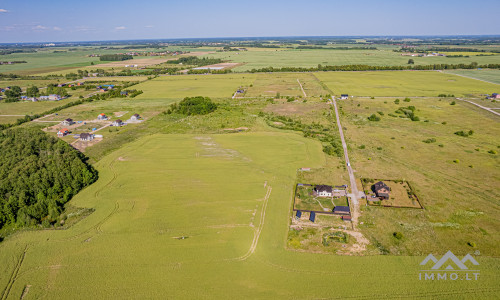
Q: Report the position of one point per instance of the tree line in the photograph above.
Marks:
(115, 57)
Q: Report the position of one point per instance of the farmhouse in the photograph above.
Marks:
(62, 132)
(117, 122)
(494, 96)
(67, 122)
(135, 117)
(342, 210)
(86, 136)
(102, 116)
(344, 97)
(323, 190)
(382, 190)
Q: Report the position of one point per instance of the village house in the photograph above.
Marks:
(494, 96)
(63, 132)
(86, 136)
(102, 116)
(381, 190)
(344, 97)
(135, 117)
(124, 93)
(323, 190)
(67, 122)
(118, 122)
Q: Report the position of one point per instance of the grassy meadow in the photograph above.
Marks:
(163, 220)
(455, 177)
(403, 83)
(491, 75)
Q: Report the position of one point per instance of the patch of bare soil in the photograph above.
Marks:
(81, 145)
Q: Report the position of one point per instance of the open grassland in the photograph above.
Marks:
(178, 87)
(30, 108)
(402, 83)
(286, 84)
(178, 215)
(311, 58)
(492, 75)
(455, 177)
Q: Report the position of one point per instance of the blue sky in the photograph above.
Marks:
(58, 20)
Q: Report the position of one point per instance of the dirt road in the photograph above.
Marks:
(491, 110)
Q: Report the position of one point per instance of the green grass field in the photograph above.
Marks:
(491, 75)
(211, 190)
(178, 87)
(403, 83)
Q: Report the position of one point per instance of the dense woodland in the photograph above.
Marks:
(38, 175)
(193, 106)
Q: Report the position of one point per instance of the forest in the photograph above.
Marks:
(38, 175)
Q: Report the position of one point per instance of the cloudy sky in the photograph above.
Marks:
(57, 20)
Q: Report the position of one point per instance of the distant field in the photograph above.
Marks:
(311, 58)
(177, 87)
(171, 209)
(402, 83)
(485, 74)
(28, 108)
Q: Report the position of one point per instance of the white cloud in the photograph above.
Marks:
(57, 28)
(39, 27)
(120, 28)
(149, 26)
(3, 10)
(84, 28)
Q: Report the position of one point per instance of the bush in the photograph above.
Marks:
(407, 99)
(380, 113)
(362, 147)
(456, 161)
(398, 235)
(492, 152)
(453, 103)
(464, 134)
(194, 106)
(430, 140)
(396, 101)
(374, 118)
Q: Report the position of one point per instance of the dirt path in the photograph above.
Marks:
(258, 230)
(354, 188)
(304, 92)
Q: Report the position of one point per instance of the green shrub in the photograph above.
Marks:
(492, 152)
(429, 141)
(398, 235)
(374, 118)
(407, 99)
(194, 106)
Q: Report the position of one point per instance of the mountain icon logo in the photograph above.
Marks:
(448, 260)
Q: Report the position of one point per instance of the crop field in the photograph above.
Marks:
(311, 58)
(150, 238)
(402, 83)
(178, 87)
(286, 84)
(455, 177)
(29, 108)
(491, 75)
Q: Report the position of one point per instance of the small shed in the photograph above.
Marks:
(298, 214)
(312, 217)
(346, 218)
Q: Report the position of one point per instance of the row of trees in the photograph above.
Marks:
(115, 57)
(38, 175)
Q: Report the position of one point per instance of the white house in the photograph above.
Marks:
(135, 117)
(323, 190)
(86, 136)
(117, 122)
(344, 97)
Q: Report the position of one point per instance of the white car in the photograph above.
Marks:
(348, 164)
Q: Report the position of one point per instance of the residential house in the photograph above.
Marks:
(54, 97)
(381, 190)
(344, 97)
(67, 122)
(124, 93)
(494, 96)
(86, 136)
(102, 116)
(63, 132)
(135, 117)
(117, 122)
(323, 190)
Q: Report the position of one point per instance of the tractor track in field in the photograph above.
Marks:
(258, 230)
(14, 275)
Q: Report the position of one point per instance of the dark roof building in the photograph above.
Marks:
(312, 216)
(382, 190)
(298, 214)
(343, 210)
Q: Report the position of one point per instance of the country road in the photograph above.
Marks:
(354, 187)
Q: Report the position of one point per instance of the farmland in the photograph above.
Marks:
(164, 241)
(402, 83)
(201, 205)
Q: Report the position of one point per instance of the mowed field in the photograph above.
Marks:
(403, 83)
(204, 216)
(286, 84)
(178, 87)
(456, 178)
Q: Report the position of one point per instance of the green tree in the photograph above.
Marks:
(32, 91)
(411, 61)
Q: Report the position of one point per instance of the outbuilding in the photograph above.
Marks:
(342, 210)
